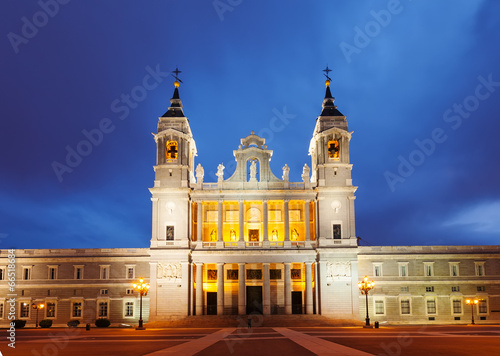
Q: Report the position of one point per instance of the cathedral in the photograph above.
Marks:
(254, 242)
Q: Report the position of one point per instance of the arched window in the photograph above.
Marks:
(171, 150)
(333, 149)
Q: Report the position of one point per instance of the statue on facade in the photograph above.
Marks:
(253, 171)
(200, 173)
(220, 173)
(286, 172)
(305, 174)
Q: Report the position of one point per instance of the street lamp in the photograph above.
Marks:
(37, 307)
(471, 302)
(364, 286)
(142, 287)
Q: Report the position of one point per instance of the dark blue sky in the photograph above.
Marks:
(419, 82)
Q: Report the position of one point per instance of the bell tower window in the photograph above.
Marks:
(334, 149)
(172, 149)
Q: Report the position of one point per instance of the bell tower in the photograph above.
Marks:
(174, 174)
(331, 172)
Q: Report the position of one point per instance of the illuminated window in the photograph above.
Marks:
(296, 218)
(275, 220)
(171, 150)
(333, 149)
(230, 221)
(25, 310)
(51, 310)
(209, 223)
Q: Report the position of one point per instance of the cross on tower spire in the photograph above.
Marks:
(327, 70)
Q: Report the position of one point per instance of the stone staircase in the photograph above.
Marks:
(226, 321)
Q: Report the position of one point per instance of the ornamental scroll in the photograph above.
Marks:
(169, 271)
(338, 270)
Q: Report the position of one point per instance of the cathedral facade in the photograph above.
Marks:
(254, 242)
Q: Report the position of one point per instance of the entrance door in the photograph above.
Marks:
(211, 303)
(296, 302)
(254, 300)
(253, 235)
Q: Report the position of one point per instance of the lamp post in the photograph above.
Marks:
(472, 302)
(364, 286)
(142, 287)
(37, 307)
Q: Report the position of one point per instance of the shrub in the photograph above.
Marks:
(45, 323)
(102, 323)
(73, 323)
(18, 324)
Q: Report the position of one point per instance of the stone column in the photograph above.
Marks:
(266, 237)
(288, 289)
(186, 283)
(267, 291)
(154, 230)
(199, 223)
(241, 221)
(308, 220)
(220, 288)
(219, 221)
(287, 222)
(199, 288)
(242, 305)
(309, 290)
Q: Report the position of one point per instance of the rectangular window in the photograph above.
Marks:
(1, 310)
(431, 306)
(379, 307)
(274, 274)
(377, 270)
(482, 306)
(129, 309)
(404, 289)
(481, 288)
(130, 291)
(403, 269)
(455, 289)
(77, 310)
(454, 269)
(479, 268)
(52, 272)
(51, 310)
(25, 310)
(337, 231)
(103, 309)
(170, 232)
(104, 292)
(405, 306)
(27, 273)
(457, 306)
(130, 272)
(429, 289)
(78, 272)
(2, 274)
(104, 272)
(428, 269)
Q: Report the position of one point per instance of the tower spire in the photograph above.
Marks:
(329, 109)
(175, 109)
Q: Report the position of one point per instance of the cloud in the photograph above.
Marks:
(483, 217)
